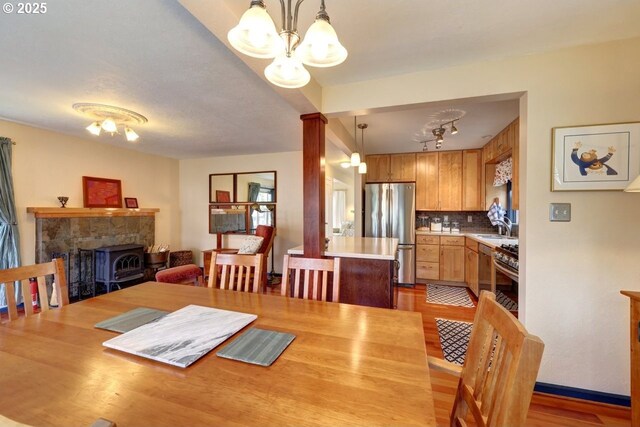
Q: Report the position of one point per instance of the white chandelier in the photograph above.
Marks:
(108, 117)
(256, 36)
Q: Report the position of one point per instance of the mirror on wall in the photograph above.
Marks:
(243, 187)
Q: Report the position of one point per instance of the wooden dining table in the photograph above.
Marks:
(348, 365)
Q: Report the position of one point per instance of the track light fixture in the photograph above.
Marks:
(438, 134)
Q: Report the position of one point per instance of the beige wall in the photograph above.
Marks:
(194, 185)
(47, 164)
(571, 273)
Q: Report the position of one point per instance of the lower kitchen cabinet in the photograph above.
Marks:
(452, 263)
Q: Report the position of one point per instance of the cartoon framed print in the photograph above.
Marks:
(595, 157)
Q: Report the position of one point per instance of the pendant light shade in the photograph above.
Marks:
(355, 159)
(94, 128)
(362, 168)
(634, 187)
(320, 46)
(287, 72)
(256, 35)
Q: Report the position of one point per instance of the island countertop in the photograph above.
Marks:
(357, 247)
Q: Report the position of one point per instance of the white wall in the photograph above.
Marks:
(47, 164)
(571, 273)
(194, 197)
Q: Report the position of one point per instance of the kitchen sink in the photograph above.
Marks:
(495, 237)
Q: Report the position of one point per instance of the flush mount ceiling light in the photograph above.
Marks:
(108, 118)
(256, 36)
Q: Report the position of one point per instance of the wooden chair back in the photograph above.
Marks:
(499, 371)
(309, 269)
(9, 276)
(236, 272)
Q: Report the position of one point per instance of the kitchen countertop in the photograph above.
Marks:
(357, 247)
(475, 235)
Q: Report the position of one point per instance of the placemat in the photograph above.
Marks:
(131, 319)
(257, 346)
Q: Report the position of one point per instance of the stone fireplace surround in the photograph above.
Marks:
(66, 230)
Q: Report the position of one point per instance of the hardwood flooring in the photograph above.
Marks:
(545, 410)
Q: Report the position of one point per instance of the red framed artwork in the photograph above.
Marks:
(101, 192)
(223, 196)
(131, 202)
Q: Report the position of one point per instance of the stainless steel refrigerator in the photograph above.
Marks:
(390, 211)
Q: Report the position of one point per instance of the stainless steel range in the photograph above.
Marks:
(505, 258)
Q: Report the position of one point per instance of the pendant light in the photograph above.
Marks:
(355, 156)
(362, 167)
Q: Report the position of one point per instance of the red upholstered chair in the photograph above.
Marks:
(189, 274)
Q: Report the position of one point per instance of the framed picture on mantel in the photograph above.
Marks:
(101, 192)
(595, 157)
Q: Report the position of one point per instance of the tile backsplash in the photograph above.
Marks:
(479, 220)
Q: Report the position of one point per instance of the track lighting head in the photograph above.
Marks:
(454, 129)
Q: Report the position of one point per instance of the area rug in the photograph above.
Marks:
(506, 302)
(454, 339)
(448, 295)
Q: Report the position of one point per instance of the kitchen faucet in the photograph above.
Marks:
(505, 223)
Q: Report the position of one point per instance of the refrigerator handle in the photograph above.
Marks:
(390, 205)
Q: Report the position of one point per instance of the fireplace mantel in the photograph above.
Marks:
(90, 212)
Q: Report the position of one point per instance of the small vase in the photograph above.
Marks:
(63, 201)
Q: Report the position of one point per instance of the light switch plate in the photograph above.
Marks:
(560, 212)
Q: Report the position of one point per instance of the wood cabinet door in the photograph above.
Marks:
(427, 181)
(378, 168)
(515, 173)
(471, 271)
(472, 168)
(452, 263)
(428, 253)
(450, 180)
(427, 270)
(402, 167)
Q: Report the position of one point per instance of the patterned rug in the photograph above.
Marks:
(506, 302)
(454, 339)
(448, 295)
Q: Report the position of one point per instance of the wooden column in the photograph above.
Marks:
(635, 355)
(313, 183)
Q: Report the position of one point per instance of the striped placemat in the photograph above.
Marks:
(257, 346)
(130, 320)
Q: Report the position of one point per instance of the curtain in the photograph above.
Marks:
(9, 238)
(254, 190)
(504, 171)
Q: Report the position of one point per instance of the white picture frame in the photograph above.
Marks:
(595, 157)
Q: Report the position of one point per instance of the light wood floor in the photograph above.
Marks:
(545, 410)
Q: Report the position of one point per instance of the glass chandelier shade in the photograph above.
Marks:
(288, 72)
(355, 159)
(109, 126)
(256, 35)
(130, 134)
(362, 168)
(94, 128)
(320, 46)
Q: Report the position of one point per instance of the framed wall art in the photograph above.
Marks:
(595, 157)
(101, 192)
(223, 196)
(131, 202)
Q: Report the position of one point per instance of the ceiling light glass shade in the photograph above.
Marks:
(454, 129)
(109, 126)
(256, 35)
(287, 72)
(362, 168)
(94, 128)
(345, 165)
(634, 187)
(355, 159)
(131, 135)
(320, 46)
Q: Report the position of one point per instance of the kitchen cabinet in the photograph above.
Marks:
(428, 257)
(515, 179)
(472, 182)
(427, 197)
(439, 181)
(471, 267)
(452, 258)
(391, 167)
(504, 145)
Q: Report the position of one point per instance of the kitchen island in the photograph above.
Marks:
(366, 271)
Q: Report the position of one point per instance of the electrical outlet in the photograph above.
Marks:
(469, 218)
(560, 212)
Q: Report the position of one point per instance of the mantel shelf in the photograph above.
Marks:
(89, 212)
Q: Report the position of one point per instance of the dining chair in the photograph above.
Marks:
(500, 369)
(236, 272)
(22, 274)
(306, 269)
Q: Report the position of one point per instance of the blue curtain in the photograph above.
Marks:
(9, 238)
(254, 190)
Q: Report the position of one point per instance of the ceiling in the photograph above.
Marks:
(201, 99)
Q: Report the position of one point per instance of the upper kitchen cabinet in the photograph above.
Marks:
(501, 147)
(391, 167)
(472, 183)
(450, 180)
(439, 181)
